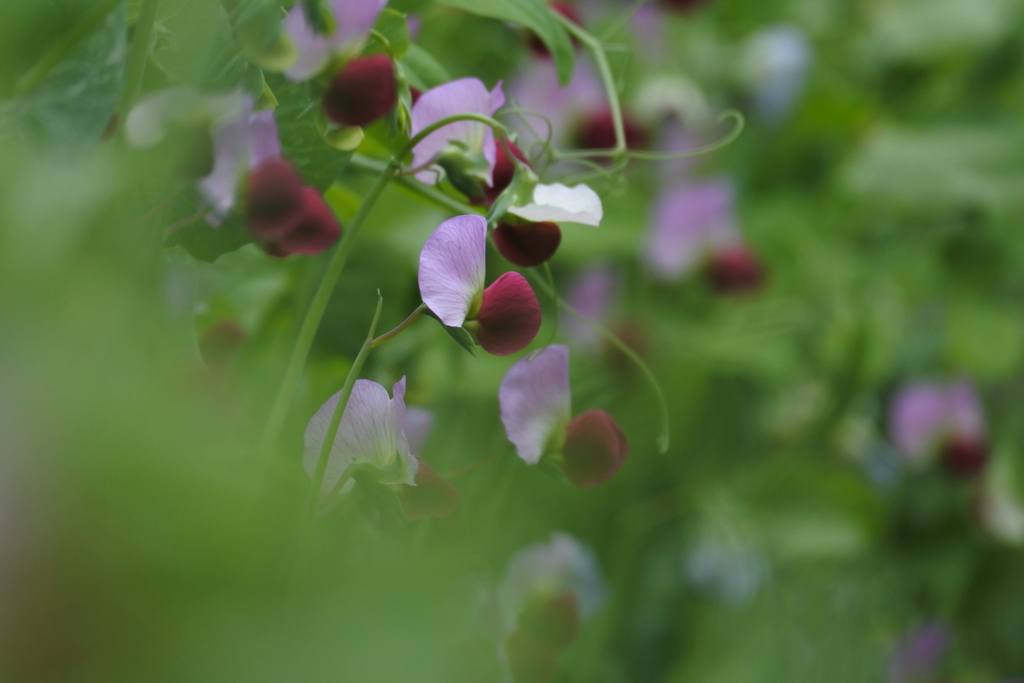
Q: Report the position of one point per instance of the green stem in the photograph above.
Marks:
(56, 53)
(315, 314)
(398, 330)
(664, 435)
(707, 149)
(611, 90)
(437, 125)
(332, 428)
(139, 55)
(622, 20)
(427, 192)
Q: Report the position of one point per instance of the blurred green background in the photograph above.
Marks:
(143, 538)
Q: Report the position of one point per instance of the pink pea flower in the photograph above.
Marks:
(353, 20)
(536, 409)
(432, 496)
(548, 591)
(919, 653)
(929, 417)
(370, 437)
(461, 148)
(504, 317)
(538, 90)
(694, 224)
(590, 294)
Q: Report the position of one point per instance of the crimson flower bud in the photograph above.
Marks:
(315, 231)
(273, 199)
(554, 622)
(965, 456)
(735, 270)
(530, 660)
(567, 10)
(527, 244)
(509, 316)
(595, 448)
(597, 131)
(362, 92)
(432, 496)
(504, 171)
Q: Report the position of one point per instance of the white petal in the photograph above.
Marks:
(452, 267)
(535, 401)
(560, 203)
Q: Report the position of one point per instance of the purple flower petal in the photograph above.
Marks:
(966, 416)
(353, 20)
(417, 425)
(537, 89)
(239, 143)
(370, 433)
(690, 219)
(263, 135)
(535, 402)
(462, 96)
(452, 266)
(924, 413)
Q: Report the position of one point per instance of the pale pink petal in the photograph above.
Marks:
(535, 401)
(417, 424)
(263, 132)
(917, 418)
(313, 50)
(544, 570)
(690, 219)
(462, 96)
(353, 20)
(232, 145)
(370, 433)
(452, 266)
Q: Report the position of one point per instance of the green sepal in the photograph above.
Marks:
(466, 170)
(393, 27)
(459, 334)
(344, 138)
(382, 496)
(518, 193)
(319, 16)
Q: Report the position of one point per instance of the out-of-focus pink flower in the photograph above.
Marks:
(504, 317)
(919, 653)
(537, 89)
(371, 435)
(353, 20)
(462, 96)
(590, 294)
(926, 417)
(691, 220)
(240, 144)
(536, 407)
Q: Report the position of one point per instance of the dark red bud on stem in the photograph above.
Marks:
(965, 456)
(273, 199)
(735, 270)
(362, 92)
(315, 232)
(595, 448)
(432, 496)
(527, 244)
(597, 131)
(509, 315)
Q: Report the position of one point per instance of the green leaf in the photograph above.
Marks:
(395, 29)
(983, 338)
(534, 15)
(73, 104)
(257, 28)
(422, 70)
(301, 142)
(206, 242)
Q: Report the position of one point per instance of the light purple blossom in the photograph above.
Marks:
(353, 20)
(691, 220)
(371, 434)
(452, 267)
(538, 90)
(923, 414)
(590, 294)
(417, 425)
(546, 570)
(919, 653)
(536, 404)
(239, 144)
(462, 96)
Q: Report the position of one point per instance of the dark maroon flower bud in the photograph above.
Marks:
(554, 622)
(735, 270)
(595, 448)
(362, 92)
(530, 660)
(509, 316)
(416, 94)
(504, 171)
(527, 244)
(316, 230)
(567, 10)
(597, 131)
(683, 5)
(432, 496)
(273, 199)
(965, 456)
(219, 343)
